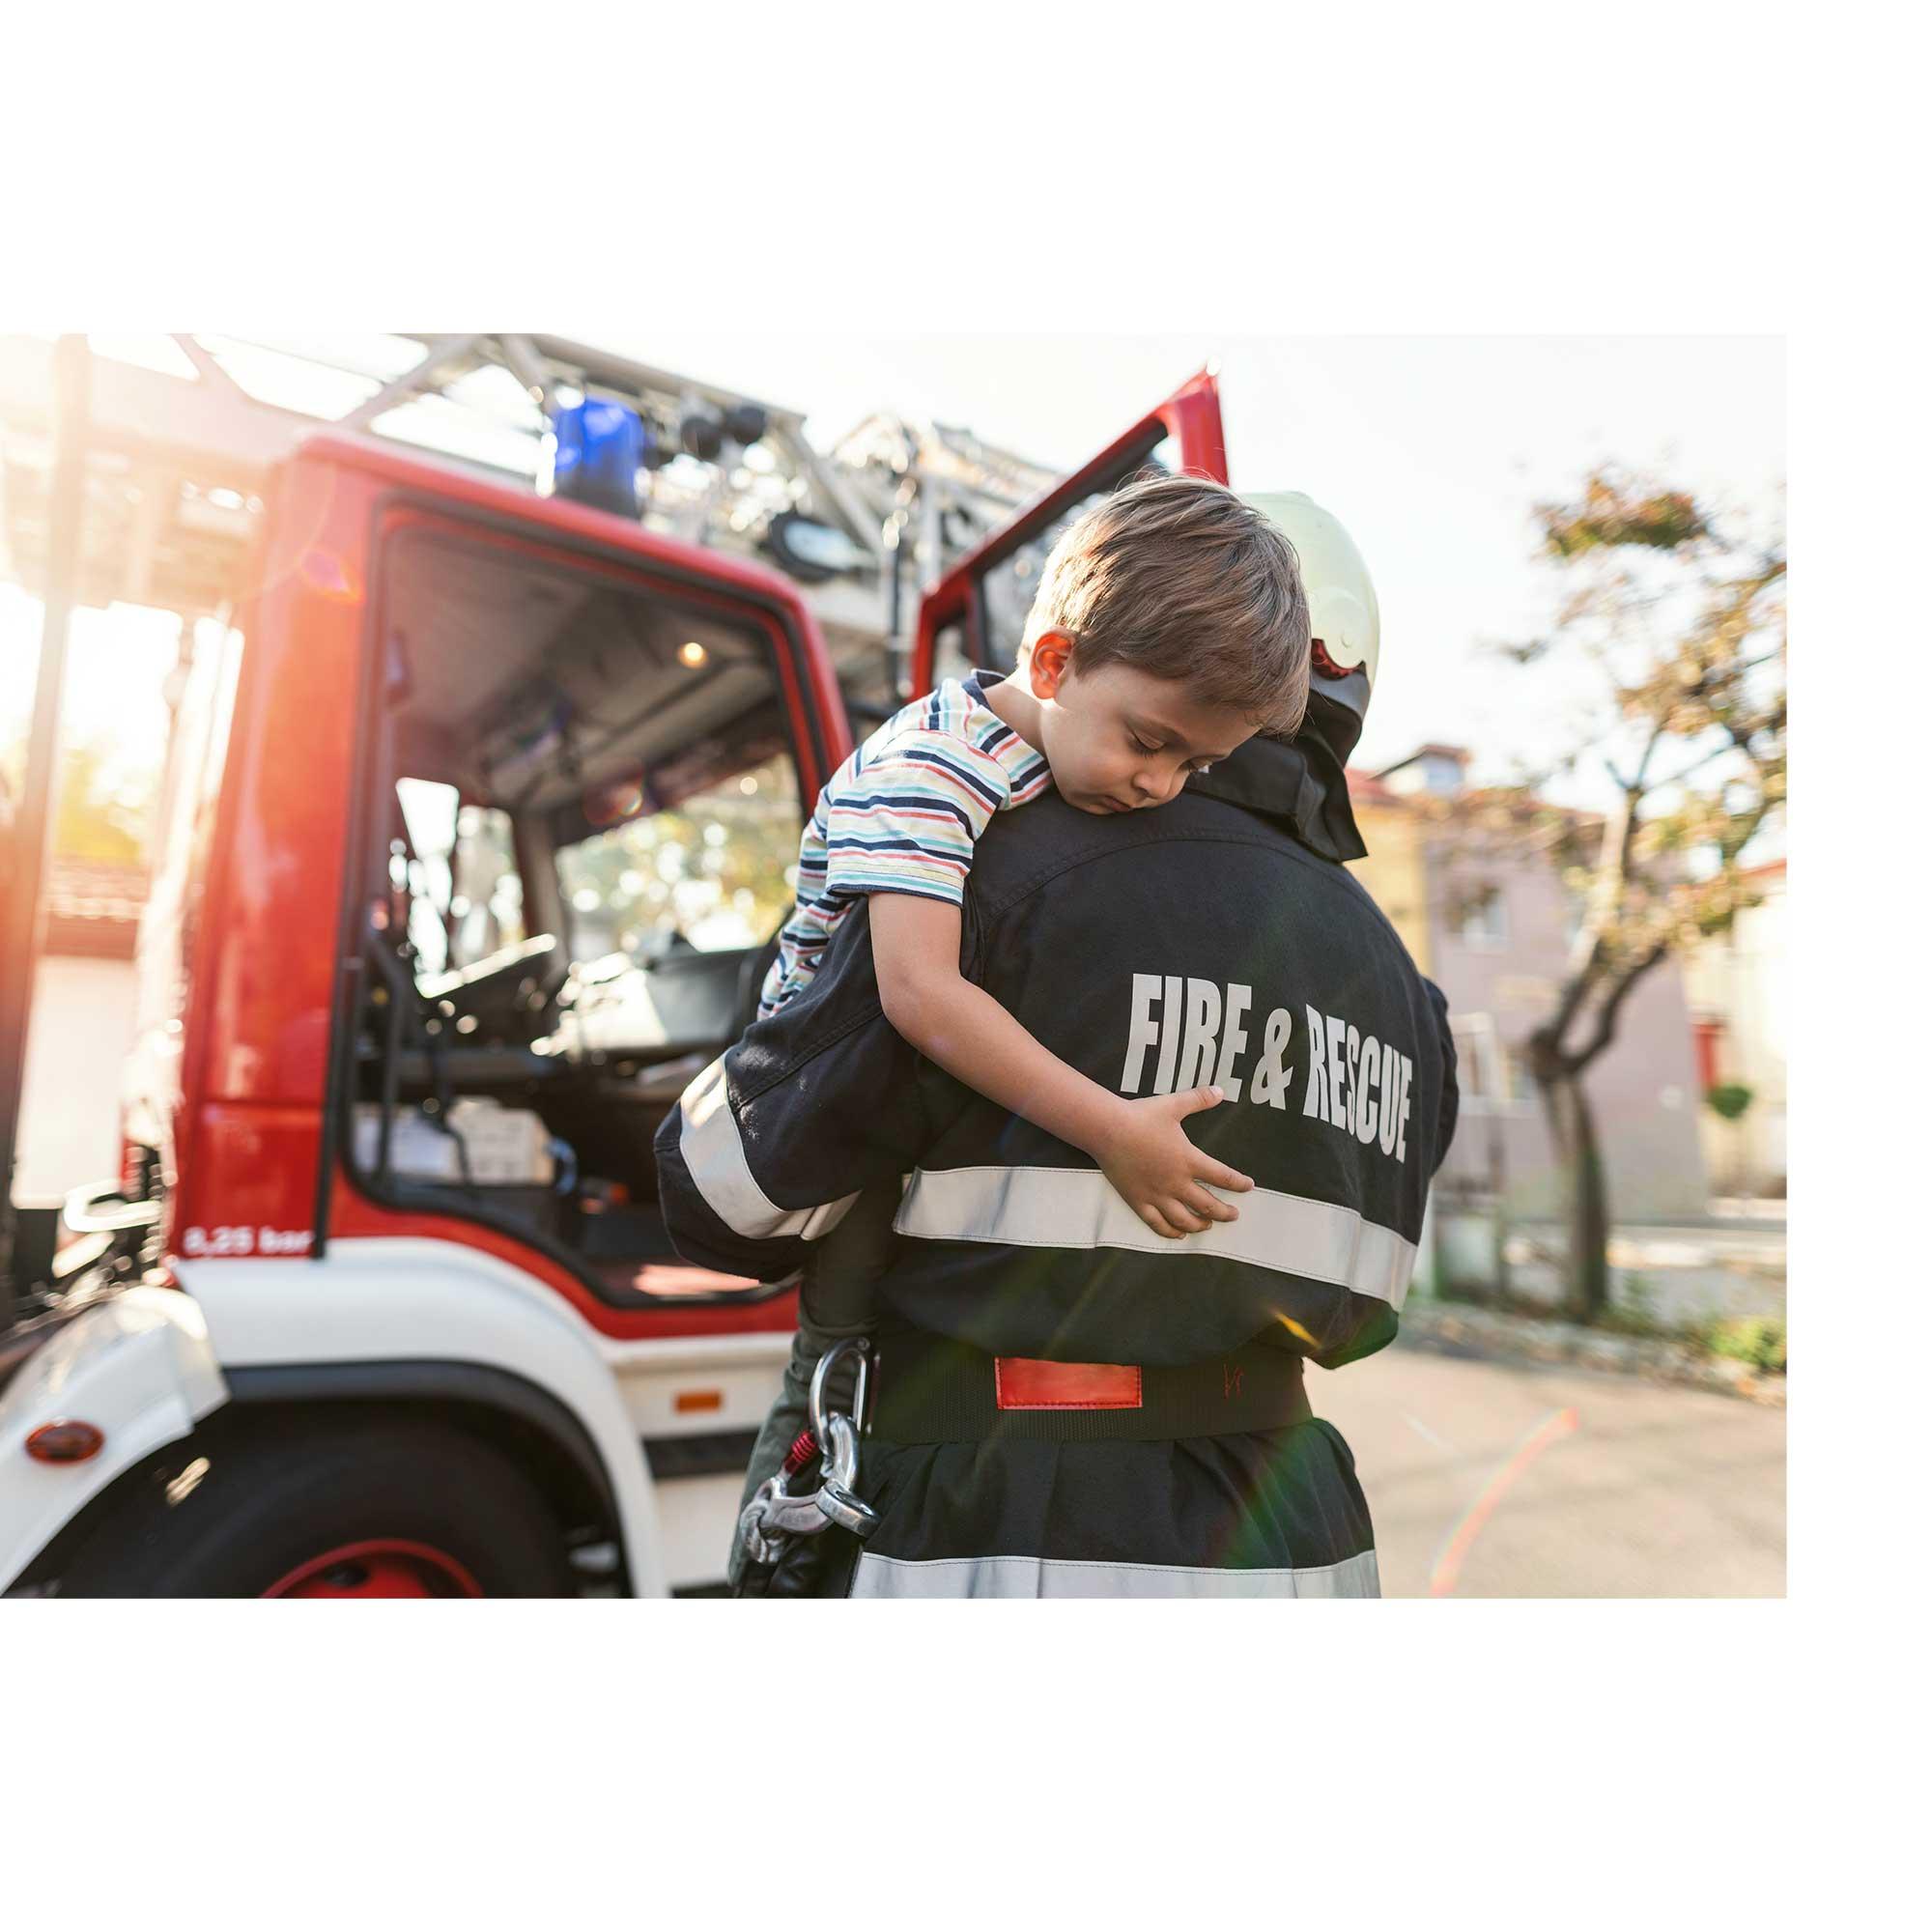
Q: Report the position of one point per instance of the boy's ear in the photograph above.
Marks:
(1047, 662)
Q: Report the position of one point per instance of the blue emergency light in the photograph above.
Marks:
(599, 448)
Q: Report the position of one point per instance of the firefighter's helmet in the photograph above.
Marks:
(1345, 620)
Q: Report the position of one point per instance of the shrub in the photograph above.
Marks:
(1638, 1301)
(1758, 1340)
(1728, 1101)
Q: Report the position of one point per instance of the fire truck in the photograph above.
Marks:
(473, 843)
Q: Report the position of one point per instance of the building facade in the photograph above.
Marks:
(1491, 923)
(1396, 872)
(81, 1030)
(1736, 986)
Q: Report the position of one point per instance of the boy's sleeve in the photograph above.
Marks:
(773, 1142)
(909, 821)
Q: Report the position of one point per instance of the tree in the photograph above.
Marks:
(1683, 617)
(97, 817)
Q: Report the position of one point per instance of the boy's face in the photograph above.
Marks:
(1118, 739)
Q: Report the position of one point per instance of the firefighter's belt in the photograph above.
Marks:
(931, 1389)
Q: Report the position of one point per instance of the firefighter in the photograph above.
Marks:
(1059, 1400)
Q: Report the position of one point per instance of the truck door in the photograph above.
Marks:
(587, 751)
(974, 615)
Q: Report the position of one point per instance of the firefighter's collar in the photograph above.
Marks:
(1300, 783)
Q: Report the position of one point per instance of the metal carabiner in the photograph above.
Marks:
(758, 1546)
(838, 1442)
(773, 1512)
(838, 1439)
(833, 1495)
(821, 1376)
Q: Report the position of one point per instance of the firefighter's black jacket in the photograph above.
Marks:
(1215, 939)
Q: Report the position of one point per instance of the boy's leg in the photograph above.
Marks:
(835, 1303)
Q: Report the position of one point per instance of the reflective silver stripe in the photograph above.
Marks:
(1059, 1576)
(1077, 1208)
(708, 1139)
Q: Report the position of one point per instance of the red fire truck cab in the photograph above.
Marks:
(479, 826)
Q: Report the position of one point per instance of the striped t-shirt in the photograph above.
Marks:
(901, 815)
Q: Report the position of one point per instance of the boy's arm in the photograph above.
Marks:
(1138, 1144)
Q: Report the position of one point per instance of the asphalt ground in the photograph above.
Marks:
(1493, 1479)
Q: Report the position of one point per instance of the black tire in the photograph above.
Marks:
(268, 1505)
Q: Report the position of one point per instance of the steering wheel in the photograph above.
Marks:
(507, 992)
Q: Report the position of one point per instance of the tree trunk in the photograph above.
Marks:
(1586, 1198)
(1499, 1234)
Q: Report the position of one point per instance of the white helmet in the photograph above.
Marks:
(1344, 619)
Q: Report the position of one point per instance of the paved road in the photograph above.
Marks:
(1491, 1479)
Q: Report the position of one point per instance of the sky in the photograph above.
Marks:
(1431, 449)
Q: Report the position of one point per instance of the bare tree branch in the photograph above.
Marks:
(1605, 1029)
(1723, 751)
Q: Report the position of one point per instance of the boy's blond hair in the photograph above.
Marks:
(1176, 576)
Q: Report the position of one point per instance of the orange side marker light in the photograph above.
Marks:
(64, 1442)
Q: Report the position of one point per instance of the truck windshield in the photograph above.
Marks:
(465, 898)
(716, 872)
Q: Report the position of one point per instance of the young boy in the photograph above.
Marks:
(1171, 624)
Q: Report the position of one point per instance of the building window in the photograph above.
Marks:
(1575, 906)
(1514, 1076)
(1471, 1060)
(1481, 921)
(1490, 1078)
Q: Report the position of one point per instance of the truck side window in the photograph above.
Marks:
(1008, 589)
(717, 871)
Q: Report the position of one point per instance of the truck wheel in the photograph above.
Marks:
(370, 1507)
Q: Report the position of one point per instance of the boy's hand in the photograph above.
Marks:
(1158, 1172)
